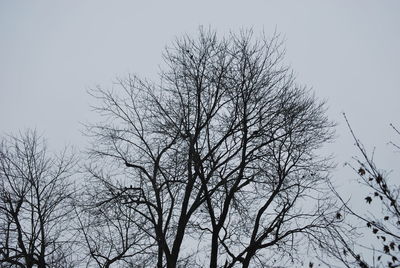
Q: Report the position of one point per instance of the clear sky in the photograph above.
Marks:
(52, 52)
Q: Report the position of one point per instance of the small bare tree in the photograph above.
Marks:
(221, 154)
(35, 192)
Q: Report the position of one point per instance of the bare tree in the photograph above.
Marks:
(35, 191)
(221, 153)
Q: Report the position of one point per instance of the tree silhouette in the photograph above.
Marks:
(35, 195)
(220, 153)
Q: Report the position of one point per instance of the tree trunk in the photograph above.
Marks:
(160, 257)
(246, 262)
(214, 249)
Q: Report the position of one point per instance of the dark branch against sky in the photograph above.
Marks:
(53, 52)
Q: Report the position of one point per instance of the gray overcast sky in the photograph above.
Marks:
(51, 52)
